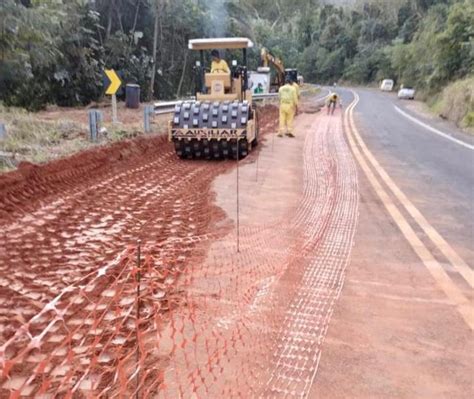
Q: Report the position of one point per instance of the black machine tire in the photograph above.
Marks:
(244, 148)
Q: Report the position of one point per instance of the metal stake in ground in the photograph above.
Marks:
(138, 280)
(258, 136)
(256, 174)
(238, 199)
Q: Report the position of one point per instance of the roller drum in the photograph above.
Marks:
(226, 116)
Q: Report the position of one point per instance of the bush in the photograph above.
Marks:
(468, 120)
(456, 102)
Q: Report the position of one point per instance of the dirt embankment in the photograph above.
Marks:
(58, 132)
(23, 188)
(68, 227)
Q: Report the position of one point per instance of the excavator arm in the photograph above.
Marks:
(277, 63)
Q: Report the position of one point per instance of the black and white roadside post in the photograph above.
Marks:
(93, 125)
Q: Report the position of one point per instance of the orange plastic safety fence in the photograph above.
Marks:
(200, 319)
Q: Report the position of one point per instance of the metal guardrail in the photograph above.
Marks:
(264, 96)
(167, 107)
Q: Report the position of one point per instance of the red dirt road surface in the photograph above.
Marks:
(126, 272)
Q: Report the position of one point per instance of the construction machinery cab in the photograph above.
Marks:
(291, 74)
(222, 121)
(221, 86)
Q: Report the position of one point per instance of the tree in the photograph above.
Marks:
(454, 56)
(55, 52)
(157, 9)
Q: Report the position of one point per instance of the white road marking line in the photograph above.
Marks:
(463, 305)
(432, 129)
(456, 261)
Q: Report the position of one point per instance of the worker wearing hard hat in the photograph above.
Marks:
(218, 65)
(288, 107)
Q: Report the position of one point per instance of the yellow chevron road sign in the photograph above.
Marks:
(115, 82)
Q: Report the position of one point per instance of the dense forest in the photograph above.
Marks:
(54, 52)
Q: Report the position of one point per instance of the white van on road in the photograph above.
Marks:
(406, 93)
(387, 85)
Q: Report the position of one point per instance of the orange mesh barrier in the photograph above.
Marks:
(192, 315)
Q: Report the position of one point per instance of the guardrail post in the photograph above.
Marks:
(3, 131)
(93, 128)
(95, 119)
(100, 118)
(147, 117)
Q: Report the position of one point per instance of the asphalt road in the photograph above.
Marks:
(402, 327)
(435, 173)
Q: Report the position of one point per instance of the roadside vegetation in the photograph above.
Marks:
(57, 132)
(31, 139)
(54, 52)
(456, 103)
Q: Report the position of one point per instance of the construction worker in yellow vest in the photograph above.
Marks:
(288, 107)
(297, 88)
(298, 95)
(218, 65)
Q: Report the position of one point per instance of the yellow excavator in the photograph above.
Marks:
(222, 121)
(268, 59)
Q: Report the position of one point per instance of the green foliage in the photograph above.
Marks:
(425, 43)
(52, 55)
(55, 51)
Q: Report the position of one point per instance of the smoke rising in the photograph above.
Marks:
(218, 18)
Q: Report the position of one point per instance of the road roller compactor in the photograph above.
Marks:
(222, 120)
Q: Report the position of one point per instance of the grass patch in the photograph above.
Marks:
(309, 90)
(468, 120)
(41, 137)
(456, 103)
(31, 139)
